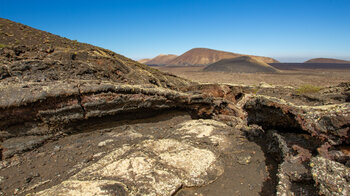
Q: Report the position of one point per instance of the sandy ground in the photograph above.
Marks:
(317, 77)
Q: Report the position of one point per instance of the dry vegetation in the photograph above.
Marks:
(307, 88)
(296, 78)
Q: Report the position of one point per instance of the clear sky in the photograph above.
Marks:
(289, 30)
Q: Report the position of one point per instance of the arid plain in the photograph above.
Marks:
(294, 78)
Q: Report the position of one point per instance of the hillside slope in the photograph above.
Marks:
(143, 60)
(162, 59)
(205, 56)
(242, 64)
(28, 54)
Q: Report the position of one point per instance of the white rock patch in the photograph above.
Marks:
(204, 129)
(80, 188)
(152, 167)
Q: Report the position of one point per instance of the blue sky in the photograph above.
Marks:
(289, 30)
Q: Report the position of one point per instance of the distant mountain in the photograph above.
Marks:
(205, 56)
(162, 59)
(143, 60)
(242, 64)
(327, 60)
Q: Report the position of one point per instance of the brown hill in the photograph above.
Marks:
(205, 56)
(162, 59)
(28, 54)
(143, 60)
(327, 60)
(242, 64)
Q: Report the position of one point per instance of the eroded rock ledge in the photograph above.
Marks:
(300, 139)
(45, 109)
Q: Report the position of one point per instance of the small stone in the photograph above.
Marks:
(57, 148)
(97, 155)
(104, 143)
(16, 191)
(244, 160)
(88, 159)
(2, 178)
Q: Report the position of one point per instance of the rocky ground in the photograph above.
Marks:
(286, 77)
(85, 121)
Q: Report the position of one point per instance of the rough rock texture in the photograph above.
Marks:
(153, 167)
(329, 123)
(304, 131)
(185, 156)
(48, 107)
(332, 177)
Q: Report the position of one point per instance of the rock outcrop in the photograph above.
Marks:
(153, 167)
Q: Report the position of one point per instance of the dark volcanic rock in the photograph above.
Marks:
(328, 123)
(44, 108)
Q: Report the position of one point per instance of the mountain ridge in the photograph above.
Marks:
(242, 64)
(161, 59)
(206, 56)
(327, 60)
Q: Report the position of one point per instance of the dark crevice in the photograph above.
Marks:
(272, 160)
(273, 118)
(1, 154)
(239, 96)
(80, 103)
(111, 121)
(177, 190)
(305, 187)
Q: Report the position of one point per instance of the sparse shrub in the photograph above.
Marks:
(255, 89)
(3, 45)
(307, 88)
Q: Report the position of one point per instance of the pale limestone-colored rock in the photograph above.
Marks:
(104, 143)
(140, 166)
(131, 134)
(194, 162)
(205, 129)
(82, 188)
(102, 163)
(154, 167)
(98, 155)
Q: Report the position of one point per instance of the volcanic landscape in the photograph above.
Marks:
(77, 119)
